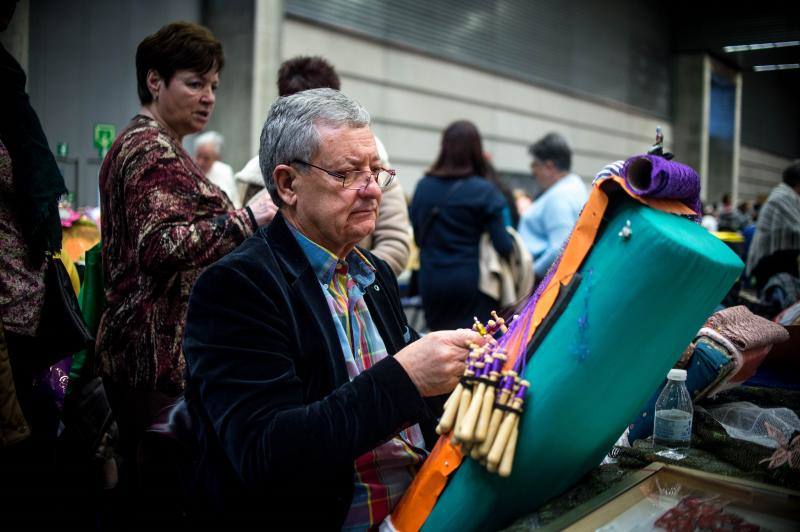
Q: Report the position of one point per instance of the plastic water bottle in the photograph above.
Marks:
(673, 420)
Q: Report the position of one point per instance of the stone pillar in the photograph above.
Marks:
(737, 138)
(691, 92)
(267, 58)
(231, 21)
(16, 38)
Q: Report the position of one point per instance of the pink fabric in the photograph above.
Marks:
(746, 330)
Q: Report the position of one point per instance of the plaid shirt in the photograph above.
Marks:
(382, 474)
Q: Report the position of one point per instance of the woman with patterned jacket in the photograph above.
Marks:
(162, 223)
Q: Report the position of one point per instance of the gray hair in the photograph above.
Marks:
(290, 131)
(553, 147)
(209, 137)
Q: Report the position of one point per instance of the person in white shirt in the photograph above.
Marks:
(207, 151)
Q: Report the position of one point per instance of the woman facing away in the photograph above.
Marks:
(453, 205)
(162, 223)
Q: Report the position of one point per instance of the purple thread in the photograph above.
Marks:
(497, 365)
(667, 179)
(521, 392)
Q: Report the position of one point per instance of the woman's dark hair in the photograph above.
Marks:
(461, 153)
(176, 46)
(304, 73)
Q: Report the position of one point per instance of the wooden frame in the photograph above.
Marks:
(658, 487)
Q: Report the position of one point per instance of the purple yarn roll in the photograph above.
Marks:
(651, 176)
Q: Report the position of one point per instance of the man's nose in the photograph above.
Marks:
(371, 188)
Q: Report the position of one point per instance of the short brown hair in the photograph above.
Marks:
(176, 46)
(303, 73)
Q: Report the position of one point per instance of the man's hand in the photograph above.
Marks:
(263, 208)
(436, 361)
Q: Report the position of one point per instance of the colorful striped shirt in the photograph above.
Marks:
(382, 474)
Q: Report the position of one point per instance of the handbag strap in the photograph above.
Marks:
(436, 210)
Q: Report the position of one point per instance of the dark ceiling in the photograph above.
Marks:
(709, 26)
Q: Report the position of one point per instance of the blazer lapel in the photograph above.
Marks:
(318, 339)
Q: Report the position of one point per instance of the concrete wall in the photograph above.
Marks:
(82, 71)
(413, 97)
(760, 171)
(231, 21)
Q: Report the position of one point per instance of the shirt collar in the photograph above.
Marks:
(325, 262)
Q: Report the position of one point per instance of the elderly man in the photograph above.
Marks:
(391, 240)
(207, 151)
(547, 223)
(308, 385)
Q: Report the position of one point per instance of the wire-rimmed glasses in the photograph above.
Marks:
(358, 179)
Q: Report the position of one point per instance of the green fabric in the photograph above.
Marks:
(92, 300)
(644, 297)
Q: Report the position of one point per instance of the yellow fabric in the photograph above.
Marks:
(72, 271)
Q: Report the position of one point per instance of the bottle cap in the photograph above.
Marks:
(677, 375)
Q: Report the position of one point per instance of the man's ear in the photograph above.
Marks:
(284, 179)
(154, 83)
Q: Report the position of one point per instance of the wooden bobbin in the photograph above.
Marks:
(453, 402)
(464, 404)
(495, 420)
(506, 427)
(508, 455)
(478, 327)
(501, 323)
(450, 409)
(482, 427)
(465, 431)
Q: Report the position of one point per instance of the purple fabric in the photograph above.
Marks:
(663, 179)
(54, 381)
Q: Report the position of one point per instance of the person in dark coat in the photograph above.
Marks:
(453, 205)
(309, 392)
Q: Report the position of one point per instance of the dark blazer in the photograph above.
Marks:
(279, 422)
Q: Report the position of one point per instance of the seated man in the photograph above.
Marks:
(306, 383)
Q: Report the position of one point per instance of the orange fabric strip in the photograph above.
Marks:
(421, 496)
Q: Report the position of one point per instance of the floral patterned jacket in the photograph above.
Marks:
(162, 222)
(21, 284)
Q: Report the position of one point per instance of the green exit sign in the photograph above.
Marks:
(104, 135)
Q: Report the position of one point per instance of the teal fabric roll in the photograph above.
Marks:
(640, 302)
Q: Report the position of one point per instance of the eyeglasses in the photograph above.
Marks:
(358, 179)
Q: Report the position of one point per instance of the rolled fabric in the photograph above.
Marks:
(608, 170)
(752, 359)
(655, 177)
(746, 330)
